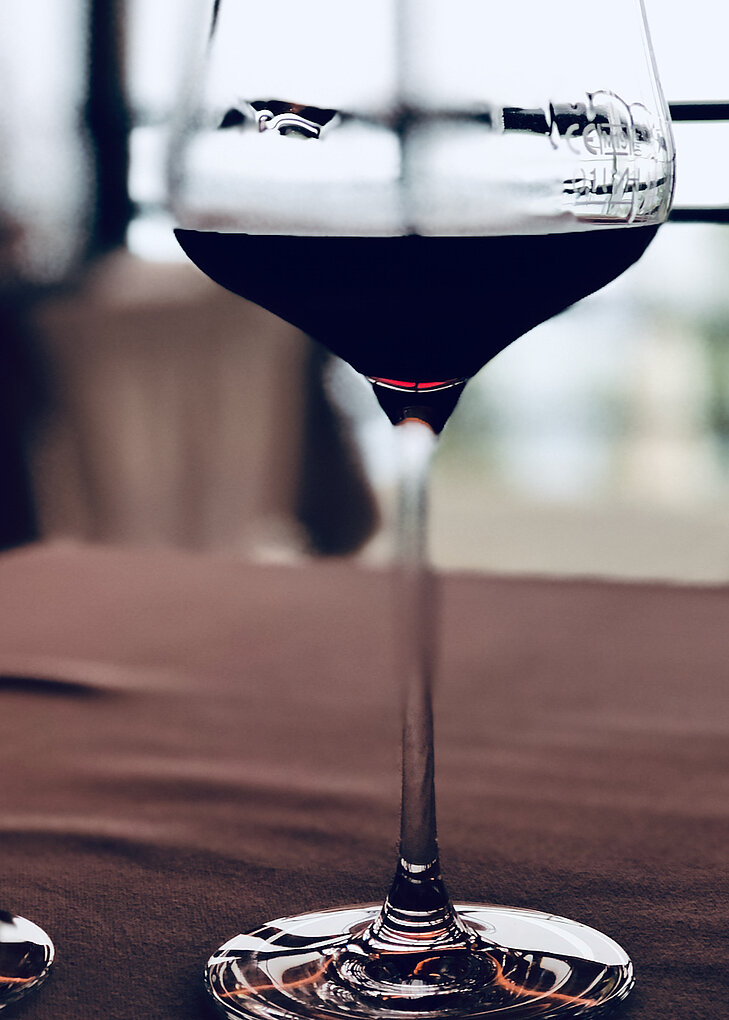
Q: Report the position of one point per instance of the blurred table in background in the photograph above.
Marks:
(191, 745)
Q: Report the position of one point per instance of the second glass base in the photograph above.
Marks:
(26, 956)
(518, 963)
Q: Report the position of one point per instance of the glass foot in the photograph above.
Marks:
(517, 963)
(26, 955)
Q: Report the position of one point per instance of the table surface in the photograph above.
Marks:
(190, 746)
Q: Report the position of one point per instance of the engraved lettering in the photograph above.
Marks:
(569, 134)
(587, 139)
(617, 157)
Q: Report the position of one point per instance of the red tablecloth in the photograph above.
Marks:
(190, 746)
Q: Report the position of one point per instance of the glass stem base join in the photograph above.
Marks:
(511, 962)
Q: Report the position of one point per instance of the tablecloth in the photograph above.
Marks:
(191, 745)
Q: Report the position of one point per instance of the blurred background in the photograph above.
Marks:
(141, 405)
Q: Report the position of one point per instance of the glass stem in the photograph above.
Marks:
(418, 840)
(417, 914)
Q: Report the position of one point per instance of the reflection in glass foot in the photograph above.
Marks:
(26, 955)
(517, 963)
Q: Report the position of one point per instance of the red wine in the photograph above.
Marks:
(418, 310)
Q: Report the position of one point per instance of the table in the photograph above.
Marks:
(190, 745)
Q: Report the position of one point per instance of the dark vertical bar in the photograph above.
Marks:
(22, 401)
(216, 12)
(109, 122)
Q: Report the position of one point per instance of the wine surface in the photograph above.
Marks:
(416, 309)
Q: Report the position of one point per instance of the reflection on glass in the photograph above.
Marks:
(26, 956)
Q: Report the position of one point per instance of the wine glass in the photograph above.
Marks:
(26, 955)
(417, 184)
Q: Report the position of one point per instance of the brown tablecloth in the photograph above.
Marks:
(191, 746)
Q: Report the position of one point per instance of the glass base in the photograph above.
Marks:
(26, 955)
(516, 963)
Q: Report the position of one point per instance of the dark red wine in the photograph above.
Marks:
(416, 310)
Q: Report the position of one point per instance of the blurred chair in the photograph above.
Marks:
(180, 414)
